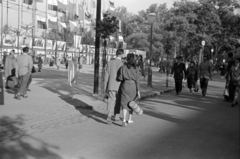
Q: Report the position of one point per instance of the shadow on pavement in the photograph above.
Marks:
(79, 105)
(202, 128)
(16, 144)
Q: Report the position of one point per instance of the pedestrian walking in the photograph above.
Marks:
(24, 69)
(234, 76)
(111, 86)
(179, 73)
(10, 69)
(192, 76)
(222, 69)
(229, 85)
(205, 74)
(80, 63)
(129, 76)
(40, 62)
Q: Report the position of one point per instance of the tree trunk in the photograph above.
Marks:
(104, 61)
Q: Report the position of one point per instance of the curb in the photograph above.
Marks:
(154, 94)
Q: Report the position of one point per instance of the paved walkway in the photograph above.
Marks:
(50, 124)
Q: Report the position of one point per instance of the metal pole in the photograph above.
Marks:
(7, 12)
(18, 32)
(167, 71)
(56, 49)
(97, 50)
(33, 22)
(45, 46)
(2, 29)
(150, 60)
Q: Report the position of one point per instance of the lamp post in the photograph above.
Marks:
(212, 50)
(201, 53)
(151, 19)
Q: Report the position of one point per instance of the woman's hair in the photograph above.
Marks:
(192, 62)
(131, 61)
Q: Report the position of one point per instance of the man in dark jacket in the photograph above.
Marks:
(229, 83)
(178, 70)
(205, 74)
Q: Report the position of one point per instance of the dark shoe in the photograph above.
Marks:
(16, 86)
(17, 96)
(7, 87)
(115, 118)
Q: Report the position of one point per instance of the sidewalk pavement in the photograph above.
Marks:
(53, 123)
(158, 81)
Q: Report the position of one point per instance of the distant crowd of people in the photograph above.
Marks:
(203, 73)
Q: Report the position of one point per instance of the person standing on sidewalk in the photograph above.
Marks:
(40, 62)
(177, 72)
(10, 69)
(234, 76)
(111, 85)
(205, 74)
(229, 84)
(24, 69)
(129, 76)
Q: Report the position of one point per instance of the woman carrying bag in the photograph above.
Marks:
(129, 89)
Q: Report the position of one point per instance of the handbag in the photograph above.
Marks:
(33, 69)
(226, 93)
(135, 107)
(134, 104)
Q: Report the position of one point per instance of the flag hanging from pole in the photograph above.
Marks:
(53, 5)
(111, 5)
(71, 10)
(88, 16)
(29, 2)
(52, 22)
(63, 6)
(73, 26)
(81, 12)
(41, 22)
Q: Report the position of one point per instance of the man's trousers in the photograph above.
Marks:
(204, 85)
(178, 86)
(23, 81)
(113, 106)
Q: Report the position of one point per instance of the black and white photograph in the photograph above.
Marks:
(120, 79)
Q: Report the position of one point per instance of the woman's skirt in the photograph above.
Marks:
(191, 83)
(128, 93)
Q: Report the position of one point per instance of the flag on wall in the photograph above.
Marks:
(81, 12)
(71, 10)
(93, 4)
(41, 22)
(111, 5)
(53, 5)
(29, 2)
(26, 28)
(52, 22)
(88, 16)
(63, 5)
(73, 26)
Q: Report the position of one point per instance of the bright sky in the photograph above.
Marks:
(135, 6)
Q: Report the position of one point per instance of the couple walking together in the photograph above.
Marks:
(121, 83)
